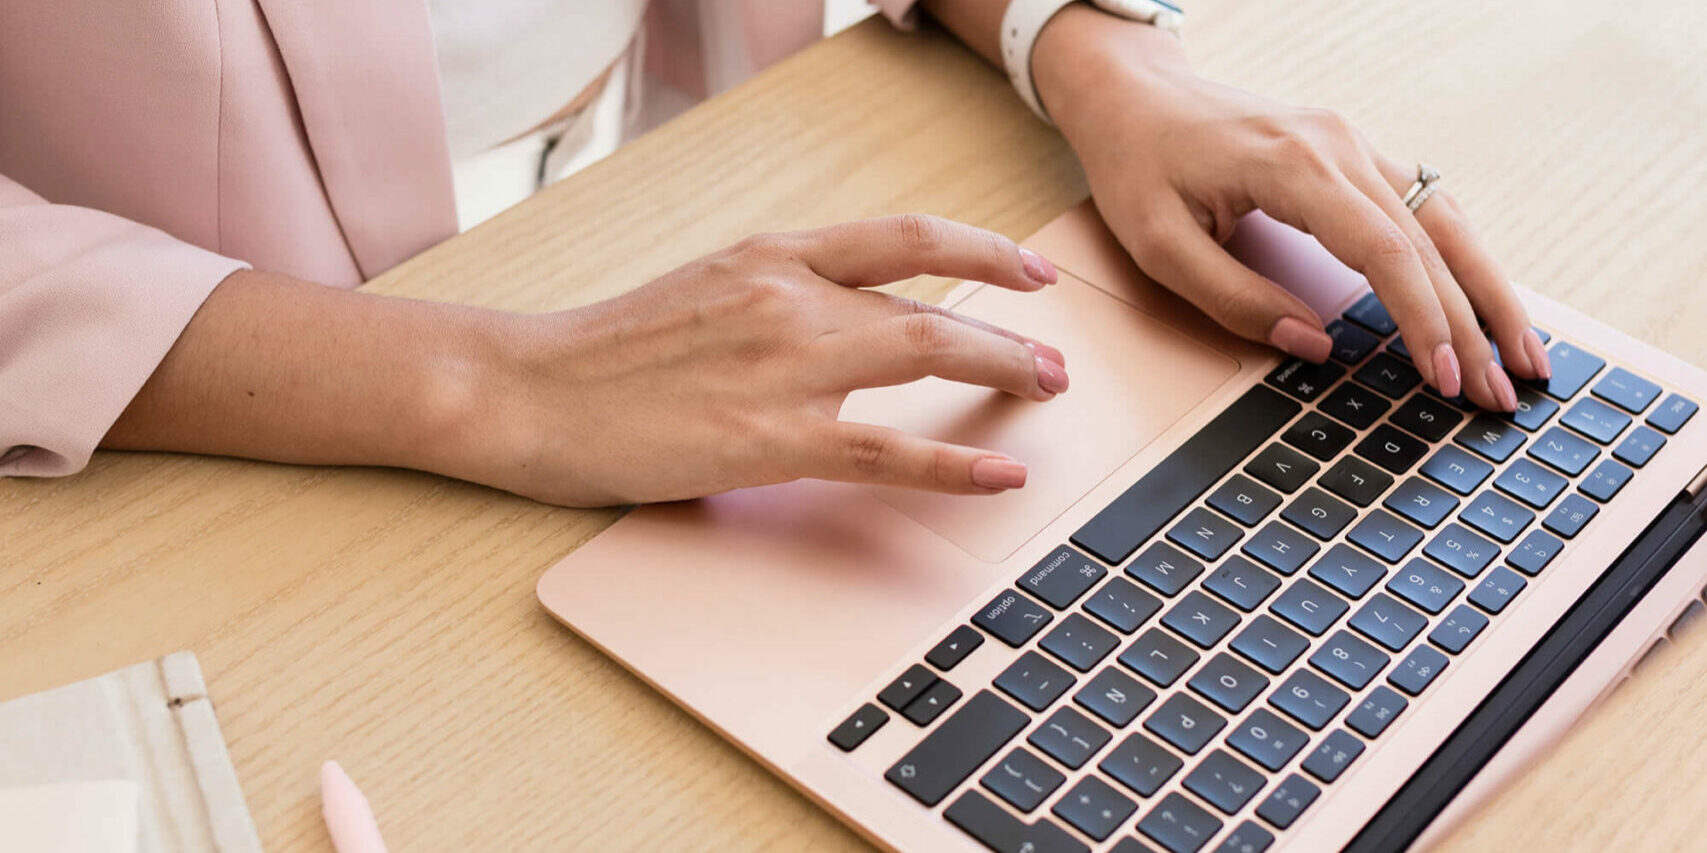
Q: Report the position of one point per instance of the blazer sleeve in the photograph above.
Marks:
(89, 304)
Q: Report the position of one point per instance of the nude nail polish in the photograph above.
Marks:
(1537, 354)
(1500, 384)
(1048, 352)
(996, 472)
(1037, 267)
(1446, 375)
(1295, 337)
(1051, 377)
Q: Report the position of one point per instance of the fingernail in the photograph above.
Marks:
(1037, 267)
(996, 472)
(1048, 352)
(1296, 337)
(1501, 385)
(1537, 354)
(1446, 375)
(1051, 377)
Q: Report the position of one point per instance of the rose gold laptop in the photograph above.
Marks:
(1244, 603)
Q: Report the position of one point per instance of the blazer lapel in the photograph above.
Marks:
(366, 82)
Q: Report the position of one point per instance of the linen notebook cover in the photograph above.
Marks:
(152, 724)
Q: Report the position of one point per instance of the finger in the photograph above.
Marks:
(910, 347)
(1179, 254)
(891, 248)
(862, 453)
(900, 305)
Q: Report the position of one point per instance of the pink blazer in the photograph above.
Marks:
(148, 148)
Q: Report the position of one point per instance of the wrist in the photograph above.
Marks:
(464, 382)
(1084, 57)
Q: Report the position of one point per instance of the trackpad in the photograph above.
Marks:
(1132, 377)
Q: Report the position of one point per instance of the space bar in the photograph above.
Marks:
(1113, 534)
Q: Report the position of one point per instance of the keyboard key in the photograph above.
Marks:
(1069, 737)
(1228, 683)
(1224, 782)
(995, 828)
(936, 699)
(1456, 470)
(1605, 481)
(1013, 618)
(1414, 674)
(1349, 661)
(1309, 606)
(1388, 622)
(1534, 552)
(1355, 405)
(1115, 696)
(1391, 449)
(1156, 655)
(1462, 551)
(1356, 481)
(1242, 500)
(1389, 375)
(1242, 583)
(1304, 380)
(1288, 801)
(1205, 534)
(1060, 578)
(1426, 418)
(1123, 605)
(1202, 460)
(1034, 681)
(1309, 699)
(1376, 712)
(1595, 420)
(1459, 402)
(1094, 807)
(1672, 414)
(1185, 723)
(1164, 568)
(1319, 514)
(1369, 313)
(1079, 643)
(1269, 644)
(951, 751)
(1317, 436)
(1627, 391)
(1247, 837)
(954, 648)
(1491, 436)
(1497, 589)
(1200, 619)
(1531, 483)
(1351, 344)
(1421, 502)
(1333, 755)
(1459, 627)
(1280, 547)
(907, 687)
(1533, 409)
(1572, 369)
(1385, 536)
(1571, 515)
(1267, 739)
(1639, 446)
(1564, 451)
(1282, 467)
(1348, 570)
(856, 728)
(1497, 516)
(1141, 764)
(1179, 825)
(1023, 779)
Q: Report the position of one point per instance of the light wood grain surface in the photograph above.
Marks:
(387, 618)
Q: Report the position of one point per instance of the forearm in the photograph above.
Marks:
(278, 369)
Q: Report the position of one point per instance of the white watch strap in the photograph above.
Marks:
(1021, 24)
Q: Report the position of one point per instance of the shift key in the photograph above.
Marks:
(959, 746)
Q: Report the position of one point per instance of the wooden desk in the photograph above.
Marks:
(388, 619)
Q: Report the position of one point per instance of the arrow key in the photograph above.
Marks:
(855, 729)
(936, 699)
(954, 648)
(905, 689)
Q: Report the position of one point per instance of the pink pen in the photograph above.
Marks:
(349, 819)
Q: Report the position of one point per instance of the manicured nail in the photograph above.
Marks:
(1296, 337)
(1037, 267)
(997, 472)
(1501, 386)
(1537, 354)
(1446, 375)
(1051, 377)
(1048, 352)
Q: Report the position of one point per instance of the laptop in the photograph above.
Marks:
(1244, 603)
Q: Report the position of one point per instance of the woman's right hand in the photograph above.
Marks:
(731, 371)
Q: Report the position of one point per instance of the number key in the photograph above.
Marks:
(1309, 699)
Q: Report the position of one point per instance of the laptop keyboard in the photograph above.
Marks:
(1205, 630)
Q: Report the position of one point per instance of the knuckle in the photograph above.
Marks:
(766, 246)
(867, 452)
(927, 334)
(920, 232)
(1299, 153)
(944, 468)
(1389, 247)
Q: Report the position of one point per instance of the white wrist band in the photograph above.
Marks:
(1025, 19)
